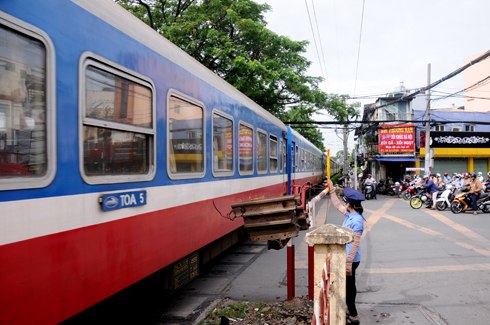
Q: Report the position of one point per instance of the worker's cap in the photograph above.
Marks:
(352, 196)
(426, 176)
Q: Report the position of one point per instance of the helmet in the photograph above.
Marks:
(438, 175)
(472, 175)
(426, 176)
(480, 173)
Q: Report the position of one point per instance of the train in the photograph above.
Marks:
(119, 156)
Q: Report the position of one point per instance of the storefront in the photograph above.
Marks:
(458, 152)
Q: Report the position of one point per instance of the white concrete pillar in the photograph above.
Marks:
(330, 240)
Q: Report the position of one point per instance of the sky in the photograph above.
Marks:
(397, 41)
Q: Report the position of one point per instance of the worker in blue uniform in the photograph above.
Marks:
(352, 209)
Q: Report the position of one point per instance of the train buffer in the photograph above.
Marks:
(274, 220)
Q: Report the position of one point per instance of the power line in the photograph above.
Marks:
(359, 47)
(384, 121)
(477, 84)
(314, 38)
(432, 85)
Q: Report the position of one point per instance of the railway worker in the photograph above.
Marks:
(475, 190)
(352, 210)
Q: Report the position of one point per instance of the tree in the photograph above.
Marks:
(231, 39)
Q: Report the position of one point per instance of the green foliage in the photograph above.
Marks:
(231, 39)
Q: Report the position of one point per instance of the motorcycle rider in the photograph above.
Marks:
(447, 179)
(431, 189)
(480, 176)
(372, 182)
(475, 190)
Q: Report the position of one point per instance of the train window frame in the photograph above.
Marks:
(217, 172)
(273, 139)
(240, 170)
(186, 98)
(29, 31)
(283, 156)
(91, 59)
(266, 154)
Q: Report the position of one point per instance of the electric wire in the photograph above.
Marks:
(325, 73)
(359, 47)
(314, 38)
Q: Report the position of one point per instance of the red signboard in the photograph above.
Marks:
(399, 138)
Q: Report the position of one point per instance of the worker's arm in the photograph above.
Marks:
(335, 200)
(352, 252)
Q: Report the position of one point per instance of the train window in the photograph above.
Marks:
(26, 107)
(261, 152)
(283, 155)
(273, 154)
(303, 160)
(185, 138)
(223, 146)
(245, 149)
(118, 127)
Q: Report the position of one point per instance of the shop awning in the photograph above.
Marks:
(396, 159)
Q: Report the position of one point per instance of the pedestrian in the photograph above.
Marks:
(475, 190)
(352, 210)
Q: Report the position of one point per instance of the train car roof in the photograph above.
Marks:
(297, 134)
(112, 13)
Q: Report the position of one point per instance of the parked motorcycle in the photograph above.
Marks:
(462, 201)
(392, 189)
(381, 188)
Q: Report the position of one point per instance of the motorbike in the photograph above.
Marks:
(381, 188)
(410, 191)
(445, 198)
(462, 201)
(369, 191)
(420, 198)
(392, 189)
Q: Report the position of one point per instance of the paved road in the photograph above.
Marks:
(419, 267)
(437, 262)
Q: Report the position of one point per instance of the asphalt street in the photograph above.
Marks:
(418, 267)
(436, 261)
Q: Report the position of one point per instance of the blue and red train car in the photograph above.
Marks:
(117, 152)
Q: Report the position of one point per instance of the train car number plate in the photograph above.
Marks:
(115, 201)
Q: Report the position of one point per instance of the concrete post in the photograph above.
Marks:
(330, 240)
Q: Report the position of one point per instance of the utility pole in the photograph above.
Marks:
(355, 165)
(346, 154)
(427, 126)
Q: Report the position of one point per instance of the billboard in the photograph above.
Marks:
(441, 139)
(396, 138)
